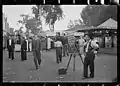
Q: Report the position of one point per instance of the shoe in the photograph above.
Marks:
(63, 56)
(91, 77)
(37, 68)
(57, 62)
(9, 58)
(67, 54)
(60, 61)
(85, 77)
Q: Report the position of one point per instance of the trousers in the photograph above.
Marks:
(58, 54)
(89, 61)
(37, 58)
(65, 50)
(23, 55)
(11, 52)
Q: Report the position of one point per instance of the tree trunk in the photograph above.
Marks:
(53, 27)
(50, 27)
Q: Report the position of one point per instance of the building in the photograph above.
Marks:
(105, 31)
(5, 25)
(6, 29)
(11, 30)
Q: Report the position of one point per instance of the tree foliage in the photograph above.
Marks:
(94, 15)
(73, 23)
(70, 24)
(31, 23)
(51, 13)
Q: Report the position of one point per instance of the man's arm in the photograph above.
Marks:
(32, 45)
(13, 43)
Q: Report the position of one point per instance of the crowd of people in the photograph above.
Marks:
(87, 47)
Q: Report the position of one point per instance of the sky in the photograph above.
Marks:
(12, 12)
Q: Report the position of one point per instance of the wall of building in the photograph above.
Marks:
(5, 29)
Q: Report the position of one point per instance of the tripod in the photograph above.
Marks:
(74, 55)
(63, 71)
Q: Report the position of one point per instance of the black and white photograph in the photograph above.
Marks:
(59, 43)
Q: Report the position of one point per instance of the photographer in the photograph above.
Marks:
(91, 47)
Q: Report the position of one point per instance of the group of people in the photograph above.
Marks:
(87, 47)
(36, 49)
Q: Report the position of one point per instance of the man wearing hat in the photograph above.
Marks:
(65, 45)
(37, 50)
(11, 46)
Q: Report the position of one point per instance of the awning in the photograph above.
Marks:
(110, 23)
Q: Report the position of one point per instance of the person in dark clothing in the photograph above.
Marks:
(10, 47)
(65, 46)
(37, 51)
(23, 49)
(89, 56)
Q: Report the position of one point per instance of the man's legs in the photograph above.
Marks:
(9, 54)
(12, 53)
(91, 68)
(35, 59)
(60, 54)
(63, 50)
(22, 55)
(85, 68)
(38, 57)
(57, 55)
(25, 55)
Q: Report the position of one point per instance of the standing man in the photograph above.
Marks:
(90, 56)
(65, 45)
(23, 49)
(58, 45)
(37, 50)
(81, 46)
(11, 46)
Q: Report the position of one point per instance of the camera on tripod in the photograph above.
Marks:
(73, 49)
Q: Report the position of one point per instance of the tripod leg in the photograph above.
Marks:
(74, 63)
(69, 61)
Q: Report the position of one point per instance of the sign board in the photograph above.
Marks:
(78, 34)
(71, 43)
(51, 34)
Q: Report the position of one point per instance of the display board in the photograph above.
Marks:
(78, 34)
(71, 44)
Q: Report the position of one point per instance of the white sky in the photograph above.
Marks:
(13, 12)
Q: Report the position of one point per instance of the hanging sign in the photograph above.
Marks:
(78, 34)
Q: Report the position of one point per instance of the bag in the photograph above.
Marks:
(63, 71)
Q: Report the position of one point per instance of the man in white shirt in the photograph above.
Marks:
(91, 46)
(58, 45)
